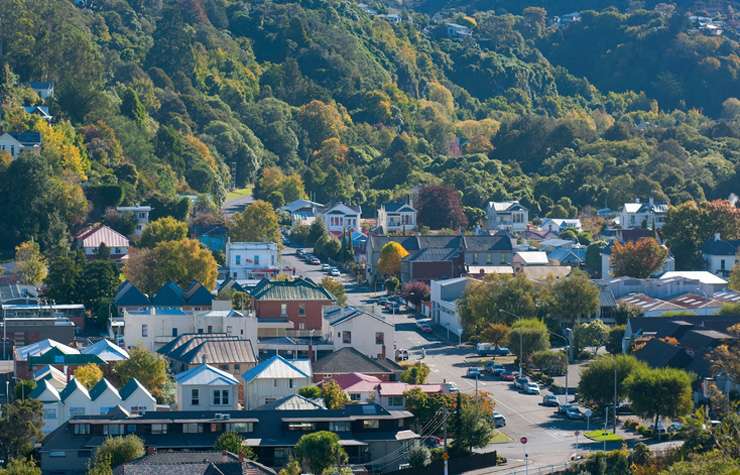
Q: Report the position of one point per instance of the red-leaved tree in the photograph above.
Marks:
(440, 207)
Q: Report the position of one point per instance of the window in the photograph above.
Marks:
(302, 310)
(131, 428)
(290, 383)
(113, 429)
(221, 397)
(194, 397)
(228, 330)
(57, 453)
(174, 332)
(339, 426)
(371, 424)
(722, 264)
(347, 337)
(274, 383)
(105, 410)
(192, 428)
(379, 338)
(283, 309)
(138, 409)
(238, 260)
(144, 330)
(81, 429)
(241, 427)
(200, 331)
(237, 367)
(302, 426)
(76, 411)
(395, 401)
(354, 396)
(210, 328)
(159, 428)
(256, 260)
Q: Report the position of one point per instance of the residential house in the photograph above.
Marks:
(274, 379)
(649, 215)
(212, 236)
(397, 216)
(205, 388)
(349, 360)
(359, 387)
(140, 214)
(22, 355)
(156, 327)
(523, 259)
(549, 245)
(75, 400)
(370, 334)
(44, 89)
(720, 255)
(106, 350)
(39, 111)
(641, 329)
(290, 307)
(362, 388)
(252, 260)
(16, 142)
(93, 237)
(302, 211)
(574, 256)
(366, 431)
(559, 225)
(432, 263)
(24, 316)
(607, 269)
(340, 218)
(52, 376)
(231, 353)
(457, 31)
(495, 250)
(215, 462)
(193, 298)
(444, 297)
(507, 216)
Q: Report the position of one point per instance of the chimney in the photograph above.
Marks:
(382, 352)
(204, 358)
(716, 237)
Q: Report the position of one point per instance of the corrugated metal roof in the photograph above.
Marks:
(106, 350)
(97, 234)
(289, 290)
(276, 367)
(205, 374)
(221, 351)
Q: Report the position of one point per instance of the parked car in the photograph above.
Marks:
(498, 420)
(473, 372)
(493, 368)
(532, 388)
(325, 267)
(521, 382)
(452, 387)
(508, 375)
(402, 354)
(563, 408)
(314, 261)
(675, 427)
(432, 442)
(487, 349)
(334, 272)
(299, 252)
(624, 408)
(550, 400)
(424, 327)
(574, 413)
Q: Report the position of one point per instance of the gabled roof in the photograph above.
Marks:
(356, 382)
(276, 367)
(42, 387)
(97, 234)
(659, 354)
(28, 138)
(72, 387)
(398, 206)
(341, 208)
(220, 351)
(128, 295)
(205, 374)
(41, 347)
(349, 360)
(721, 247)
(431, 254)
(49, 371)
(533, 257)
(59, 357)
(197, 294)
(131, 387)
(290, 290)
(339, 315)
(106, 350)
(503, 206)
(296, 205)
(102, 387)
(702, 276)
(497, 242)
(293, 402)
(192, 463)
(170, 295)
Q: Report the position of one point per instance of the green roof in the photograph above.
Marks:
(286, 290)
(55, 357)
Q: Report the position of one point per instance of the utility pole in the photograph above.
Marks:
(444, 455)
(614, 430)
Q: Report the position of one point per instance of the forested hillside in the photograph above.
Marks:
(156, 99)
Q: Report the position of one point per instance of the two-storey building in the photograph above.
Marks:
(507, 216)
(397, 216)
(290, 307)
(252, 260)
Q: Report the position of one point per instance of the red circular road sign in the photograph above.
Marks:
(523, 440)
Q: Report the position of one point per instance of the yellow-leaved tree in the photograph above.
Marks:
(88, 375)
(60, 150)
(391, 255)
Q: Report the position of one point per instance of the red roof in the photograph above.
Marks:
(97, 234)
(397, 389)
(357, 382)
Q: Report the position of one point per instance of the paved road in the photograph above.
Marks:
(231, 207)
(551, 440)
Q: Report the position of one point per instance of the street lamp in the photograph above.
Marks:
(567, 339)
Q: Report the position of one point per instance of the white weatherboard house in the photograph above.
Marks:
(252, 260)
(558, 225)
(14, 143)
(507, 216)
(341, 217)
(720, 255)
(205, 388)
(649, 215)
(274, 379)
(368, 333)
(140, 214)
(444, 296)
(301, 211)
(397, 216)
(76, 400)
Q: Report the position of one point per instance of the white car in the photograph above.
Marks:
(325, 267)
(499, 420)
(452, 387)
(335, 272)
(532, 388)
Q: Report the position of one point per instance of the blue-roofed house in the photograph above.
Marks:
(16, 142)
(170, 295)
(206, 388)
(573, 256)
(274, 379)
(197, 297)
(39, 111)
(130, 298)
(45, 89)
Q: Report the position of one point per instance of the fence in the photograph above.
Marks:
(539, 470)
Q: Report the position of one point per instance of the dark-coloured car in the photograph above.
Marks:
(550, 400)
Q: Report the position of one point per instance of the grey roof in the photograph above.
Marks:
(131, 388)
(397, 206)
(339, 315)
(680, 325)
(130, 295)
(100, 388)
(275, 367)
(219, 351)
(192, 463)
(106, 350)
(721, 247)
(170, 295)
(293, 402)
(660, 354)
(349, 360)
(205, 374)
(27, 138)
(18, 292)
(430, 254)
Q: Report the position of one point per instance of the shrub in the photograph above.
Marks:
(419, 457)
(436, 454)
(552, 362)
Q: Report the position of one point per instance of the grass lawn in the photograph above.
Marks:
(500, 438)
(238, 193)
(603, 436)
